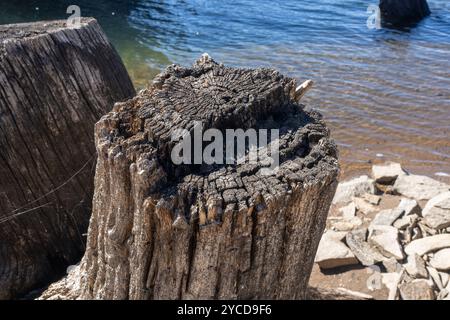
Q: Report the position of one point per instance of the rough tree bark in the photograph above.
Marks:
(55, 83)
(403, 12)
(162, 231)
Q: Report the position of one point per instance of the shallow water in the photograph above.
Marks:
(385, 93)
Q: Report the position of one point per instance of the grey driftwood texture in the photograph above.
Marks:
(55, 83)
(160, 231)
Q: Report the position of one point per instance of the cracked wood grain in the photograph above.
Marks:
(165, 231)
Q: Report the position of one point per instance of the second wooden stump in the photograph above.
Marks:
(55, 83)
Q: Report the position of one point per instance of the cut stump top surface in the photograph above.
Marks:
(220, 97)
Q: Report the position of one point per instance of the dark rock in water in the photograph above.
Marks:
(403, 12)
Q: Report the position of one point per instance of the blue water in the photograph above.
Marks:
(385, 93)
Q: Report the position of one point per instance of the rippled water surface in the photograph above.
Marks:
(385, 93)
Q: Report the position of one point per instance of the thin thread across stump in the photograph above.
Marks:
(165, 231)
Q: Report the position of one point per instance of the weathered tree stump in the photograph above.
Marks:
(55, 83)
(403, 12)
(166, 231)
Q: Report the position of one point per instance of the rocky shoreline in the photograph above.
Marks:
(387, 237)
(397, 226)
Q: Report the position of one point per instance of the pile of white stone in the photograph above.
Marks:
(408, 245)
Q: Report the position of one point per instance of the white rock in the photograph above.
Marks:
(416, 234)
(405, 221)
(387, 173)
(443, 294)
(402, 223)
(348, 224)
(429, 281)
(372, 199)
(444, 278)
(409, 206)
(391, 281)
(386, 217)
(363, 206)
(392, 265)
(331, 218)
(332, 252)
(353, 188)
(341, 226)
(355, 294)
(428, 244)
(436, 277)
(426, 230)
(441, 260)
(416, 267)
(385, 238)
(364, 252)
(419, 187)
(437, 211)
(349, 211)
(416, 290)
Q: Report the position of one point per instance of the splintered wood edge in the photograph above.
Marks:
(302, 89)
